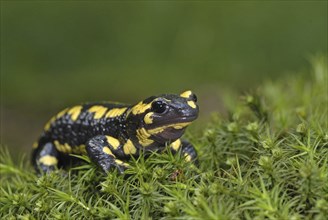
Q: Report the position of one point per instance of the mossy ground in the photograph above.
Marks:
(268, 159)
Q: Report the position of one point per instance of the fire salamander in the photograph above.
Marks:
(111, 133)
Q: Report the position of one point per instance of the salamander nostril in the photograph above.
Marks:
(181, 111)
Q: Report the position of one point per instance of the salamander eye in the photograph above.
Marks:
(158, 107)
(193, 97)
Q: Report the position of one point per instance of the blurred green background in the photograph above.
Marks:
(60, 53)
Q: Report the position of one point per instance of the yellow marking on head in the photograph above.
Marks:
(186, 94)
(181, 125)
(148, 119)
(115, 112)
(140, 108)
(129, 148)
(162, 128)
(176, 145)
(106, 150)
(35, 145)
(113, 142)
(146, 142)
(83, 149)
(187, 157)
(75, 112)
(98, 110)
(48, 160)
(157, 130)
(192, 104)
(143, 136)
(167, 100)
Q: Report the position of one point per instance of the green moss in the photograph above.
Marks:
(269, 159)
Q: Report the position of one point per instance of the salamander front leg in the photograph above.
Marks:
(187, 150)
(102, 153)
(45, 158)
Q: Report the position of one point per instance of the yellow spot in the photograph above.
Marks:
(143, 136)
(186, 94)
(35, 145)
(167, 100)
(48, 160)
(175, 126)
(115, 112)
(98, 110)
(140, 108)
(157, 130)
(113, 142)
(60, 114)
(58, 146)
(68, 148)
(106, 150)
(192, 104)
(146, 142)
(47, 126)
(129, 148)
(75, 112)
(64, 148)
(148, 119)
(119, 162)
(187, 157)
(181, 125)
(176, 145)
(79, 150)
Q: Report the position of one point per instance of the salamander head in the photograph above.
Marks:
(162, 118)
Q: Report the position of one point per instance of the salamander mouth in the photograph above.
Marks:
(174, 121)
(188, 118)
(170, 134)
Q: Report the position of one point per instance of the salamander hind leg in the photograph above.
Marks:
(45, 158)
(101, 150)
(187, 150)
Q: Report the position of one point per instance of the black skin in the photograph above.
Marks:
(111, 140)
